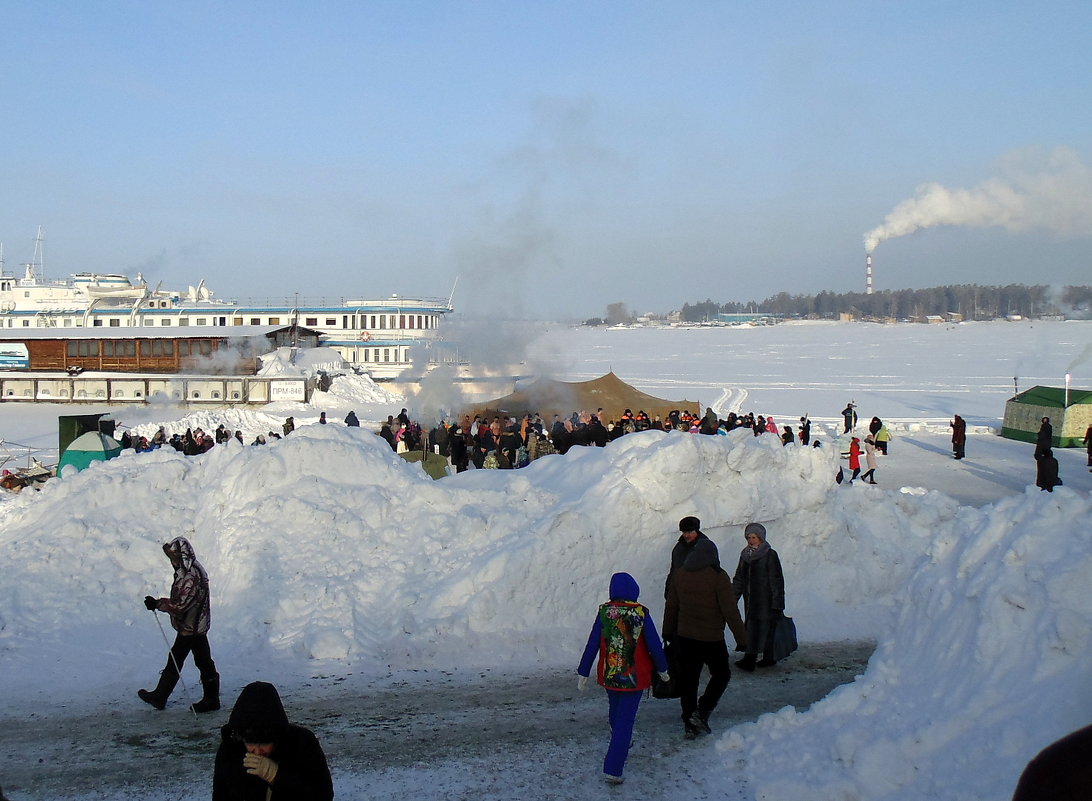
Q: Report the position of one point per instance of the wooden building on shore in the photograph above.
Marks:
(174, 350)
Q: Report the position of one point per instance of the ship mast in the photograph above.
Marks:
(38, 262)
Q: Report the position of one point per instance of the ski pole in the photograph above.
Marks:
(177, 667)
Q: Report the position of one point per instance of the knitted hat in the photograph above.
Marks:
(689, 524)
(755, 528)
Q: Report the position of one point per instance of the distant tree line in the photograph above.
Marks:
(970, 300)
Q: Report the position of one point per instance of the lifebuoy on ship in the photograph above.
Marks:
(365, 336)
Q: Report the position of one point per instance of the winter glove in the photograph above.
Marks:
(262, 767)
(582, 683)
(665, 677)
(150, 603)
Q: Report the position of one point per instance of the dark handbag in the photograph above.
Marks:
(667, 689)
(784, 638)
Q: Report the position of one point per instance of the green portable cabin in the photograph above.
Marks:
(93, 446)
(1070, 415)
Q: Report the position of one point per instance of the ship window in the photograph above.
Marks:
(108, 348)
(206, 347)
(164, 321)
(382, 321)
(386, 354)
(96, 323)
(313, 321)
(331, 321)
(115, 322)
(411, 321)
(126, 348)
(183, 348)
(373, 322)
(401, 321)
(201, 321)
(26, 294)
(237, 321)
(73, 348)
(156, 347)
(88, 347)
(26, 323)
(183, 320)
(274, 320)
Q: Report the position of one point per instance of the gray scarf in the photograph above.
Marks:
(751, 553)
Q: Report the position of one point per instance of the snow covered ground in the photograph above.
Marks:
(344, 575)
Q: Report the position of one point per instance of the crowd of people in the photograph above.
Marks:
(197, 440)
(510, 442)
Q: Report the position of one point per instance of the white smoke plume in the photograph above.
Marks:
(1035, 191)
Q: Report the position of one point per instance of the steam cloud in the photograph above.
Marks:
(1035, 191)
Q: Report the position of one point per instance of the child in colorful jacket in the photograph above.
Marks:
(628, 646)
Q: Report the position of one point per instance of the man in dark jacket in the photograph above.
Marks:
(849, 415)
(690, 534)
(700, 601)
(263, 757)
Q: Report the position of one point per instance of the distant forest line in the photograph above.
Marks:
(972, 301)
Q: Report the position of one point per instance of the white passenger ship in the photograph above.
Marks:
(383, 337)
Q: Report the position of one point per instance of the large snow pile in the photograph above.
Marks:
(327, 546)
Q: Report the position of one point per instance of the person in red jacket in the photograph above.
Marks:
(625, 640)
(855, 458)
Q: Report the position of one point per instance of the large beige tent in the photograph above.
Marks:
(547, 397)
(1070, 413)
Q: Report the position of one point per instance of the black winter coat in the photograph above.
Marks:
(302, 772)
(761, 585)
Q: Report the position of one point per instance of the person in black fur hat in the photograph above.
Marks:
(690, 534)
(263, 757)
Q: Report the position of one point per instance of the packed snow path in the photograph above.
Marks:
(435, 734)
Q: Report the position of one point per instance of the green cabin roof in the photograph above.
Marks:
(1053, 396)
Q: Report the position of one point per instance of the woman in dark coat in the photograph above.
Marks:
(263, 757)
(760, 582)
(959, 436)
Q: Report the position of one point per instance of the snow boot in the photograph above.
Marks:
(211, 701)
(746, 663)
(690, 731)
(700, 720)
(158, 697)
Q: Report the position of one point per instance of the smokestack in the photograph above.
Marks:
(868, 274)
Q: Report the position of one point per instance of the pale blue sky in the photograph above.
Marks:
(556, 157)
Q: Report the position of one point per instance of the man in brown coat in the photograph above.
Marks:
(700, 601)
